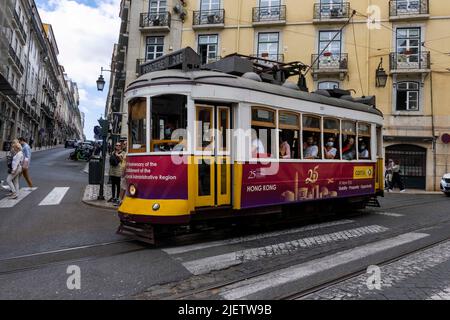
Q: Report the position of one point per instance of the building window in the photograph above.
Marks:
(209, 5)
(155, 48)
(158, 6)
(407, 96)
(208, 47)
(331, 56)
(268, 45)
(408, 6)
(331, 8)
(326, 85)
(269, 9)
(408, 47)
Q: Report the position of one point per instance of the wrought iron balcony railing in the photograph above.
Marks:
(16, 59)
(408, 7)
(410, 61)
(20, 26)
(269, 14)
(209, 17)
(155, 19)
(327, 11)
(329, 61)
(268, 56)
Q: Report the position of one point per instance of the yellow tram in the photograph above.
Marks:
(224, 142)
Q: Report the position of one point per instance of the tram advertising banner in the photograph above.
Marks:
(278, 183)
(158, 177)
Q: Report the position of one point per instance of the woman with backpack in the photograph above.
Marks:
(15, 170)
(115, 172)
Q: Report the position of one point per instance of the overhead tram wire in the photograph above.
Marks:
(329, 42)
(357, 60)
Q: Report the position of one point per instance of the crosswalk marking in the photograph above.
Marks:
(284, 276)
(54, 197)
(220, 262)
(194, 247)
(389, 214)
(442, 295)
(22, 194)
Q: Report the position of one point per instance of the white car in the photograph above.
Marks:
(445, 184)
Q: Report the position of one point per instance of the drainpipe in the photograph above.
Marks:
(238, 37)
(433, 131)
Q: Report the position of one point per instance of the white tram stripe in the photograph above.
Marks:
(194, 247)
(389, 214)
(54, 197)
(299, 272)
(9, 203)
(220, 262)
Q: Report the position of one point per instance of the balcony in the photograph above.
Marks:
(15, 60)
(331, 13)
(408, 10)
(407, 63)
(209, 19)
(269, 16)
(155, 22)
(20, 28)
(329, 65)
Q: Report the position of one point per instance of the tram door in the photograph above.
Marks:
(213, 155)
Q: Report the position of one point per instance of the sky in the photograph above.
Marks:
(85, 31)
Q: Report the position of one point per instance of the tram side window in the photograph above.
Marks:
(331, 138)
(364, 141)
(169, 123)
(263, 133)
(289, 134)
(137, 111)
(311, 137)
(349, 140)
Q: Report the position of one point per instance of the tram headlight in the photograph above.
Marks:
(132, 190)
(156, 207)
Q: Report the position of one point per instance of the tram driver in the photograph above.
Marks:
(311, 150)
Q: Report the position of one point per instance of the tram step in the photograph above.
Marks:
(373, 202)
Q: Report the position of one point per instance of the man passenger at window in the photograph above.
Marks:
(311, 151)
(363, 152)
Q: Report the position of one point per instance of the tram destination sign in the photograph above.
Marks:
(185, 59)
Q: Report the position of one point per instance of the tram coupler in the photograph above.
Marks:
(144, 233)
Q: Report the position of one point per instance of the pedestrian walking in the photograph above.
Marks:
(15, 171)
(396, 177)
(123, 182)
(26, 149)
(388, 175)
(115, 172)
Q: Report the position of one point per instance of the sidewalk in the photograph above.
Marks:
(413, 191)
(3, 153)
(91, 192)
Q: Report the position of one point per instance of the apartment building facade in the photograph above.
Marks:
(35, 100)
(344, 43)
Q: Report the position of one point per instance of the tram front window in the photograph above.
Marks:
(138, 125)
(169, 123)
(311, 138)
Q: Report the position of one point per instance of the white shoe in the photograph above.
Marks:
(13, 196)
(403, 190)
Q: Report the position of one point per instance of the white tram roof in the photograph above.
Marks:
(207, 77)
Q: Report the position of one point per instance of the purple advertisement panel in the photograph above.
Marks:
(297, 182)
(157, 177)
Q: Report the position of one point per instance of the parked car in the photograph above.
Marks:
(445, 184)
(70, 143)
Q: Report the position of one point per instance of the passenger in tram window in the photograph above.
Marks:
(349, 152)
(285, 148)
(363, 152)
(310, 150)
(168, 129)
(257, 145)
(330, 151)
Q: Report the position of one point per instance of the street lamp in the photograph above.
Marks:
(100, 83)
(381, 76)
